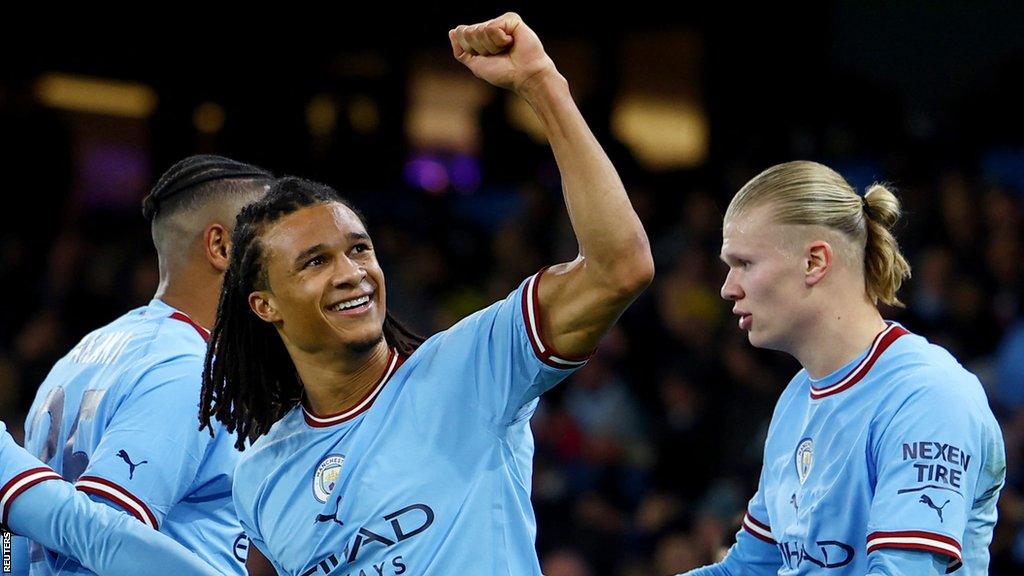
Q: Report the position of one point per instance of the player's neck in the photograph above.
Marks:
(836, 338)
(196, 297)
(337, 383)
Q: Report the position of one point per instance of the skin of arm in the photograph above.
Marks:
(256, 564)
(583, 298)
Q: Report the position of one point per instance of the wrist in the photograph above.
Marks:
(546, 81)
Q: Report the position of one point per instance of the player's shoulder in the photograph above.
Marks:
(168, 343)
(283, 439)
(925, 381)
(516, 304)
(173, 333)
(919, 366)
(142, 337)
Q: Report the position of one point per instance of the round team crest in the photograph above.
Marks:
(804, 458)
(326, 476)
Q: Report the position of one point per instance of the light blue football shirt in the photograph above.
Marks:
(55, 514)
(118, 416)
(428, 475)
(897, 451)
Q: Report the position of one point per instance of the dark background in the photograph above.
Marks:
(646, 457)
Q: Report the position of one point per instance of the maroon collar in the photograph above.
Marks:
(394, 361)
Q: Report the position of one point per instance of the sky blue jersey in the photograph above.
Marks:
(428, 475)
(53, 513)
(897, 451)
(118, 416)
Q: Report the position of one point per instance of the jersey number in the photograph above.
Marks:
(72, 463)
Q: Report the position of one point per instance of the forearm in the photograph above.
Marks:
(611, 238)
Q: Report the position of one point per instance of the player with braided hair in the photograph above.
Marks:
(117, 414)
(252, 383)
(376, 453)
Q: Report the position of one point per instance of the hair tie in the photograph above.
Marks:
(863, 199)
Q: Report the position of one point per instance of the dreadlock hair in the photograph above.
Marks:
(249, 380)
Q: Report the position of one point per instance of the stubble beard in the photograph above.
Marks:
(363, 346)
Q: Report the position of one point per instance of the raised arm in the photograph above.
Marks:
(579, 300)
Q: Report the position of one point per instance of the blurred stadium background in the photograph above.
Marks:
(646, 457)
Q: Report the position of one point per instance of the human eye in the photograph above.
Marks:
(362, 247)
(314, 261)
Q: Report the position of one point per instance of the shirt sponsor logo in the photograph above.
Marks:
(241, 547)
(326, 477)
(940, 465)
(823, 554)
(400, 526)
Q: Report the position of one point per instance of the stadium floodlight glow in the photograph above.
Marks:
(95, 95)
(209, 118)
(664, 133)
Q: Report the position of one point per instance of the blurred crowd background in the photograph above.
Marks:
(646, 457)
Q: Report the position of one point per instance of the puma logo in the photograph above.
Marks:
(938, 509)
(332, 517)
(131, 465)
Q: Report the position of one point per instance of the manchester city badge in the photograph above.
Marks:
(804, 458)
(326, 476)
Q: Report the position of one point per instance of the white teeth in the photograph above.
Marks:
(351, 303)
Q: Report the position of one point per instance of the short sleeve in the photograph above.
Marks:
(501, 355)
(151, 449)
(925, 462)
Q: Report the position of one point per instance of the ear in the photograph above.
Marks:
(818, 257)
(217, 246)
(261, 303)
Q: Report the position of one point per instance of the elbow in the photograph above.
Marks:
(635, 270)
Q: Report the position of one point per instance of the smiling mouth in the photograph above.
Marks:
(353, 306)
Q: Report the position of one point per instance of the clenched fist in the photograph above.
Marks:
(503, 51)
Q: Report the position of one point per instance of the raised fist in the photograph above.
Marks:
(503, 51)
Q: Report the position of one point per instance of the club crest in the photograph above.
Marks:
(804, 458)
(326, 476)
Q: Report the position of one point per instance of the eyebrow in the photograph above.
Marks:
(301, 258)
(726, 257)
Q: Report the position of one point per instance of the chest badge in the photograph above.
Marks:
(804, 459)
(326, 477)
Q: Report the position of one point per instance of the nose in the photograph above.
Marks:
(347, 273)
(731, 289)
